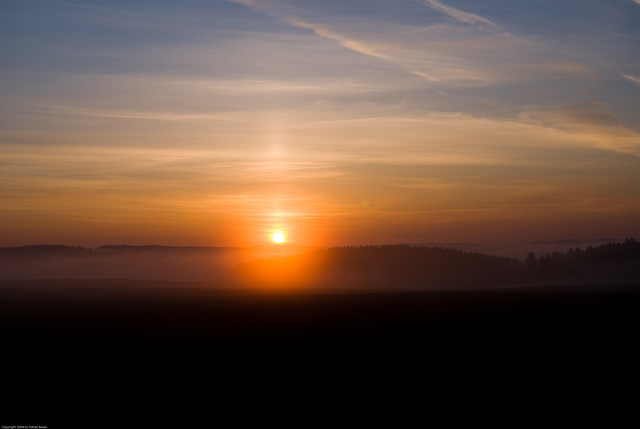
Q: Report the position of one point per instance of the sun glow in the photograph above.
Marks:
(278, 237)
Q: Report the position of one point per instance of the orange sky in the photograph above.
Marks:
(219, 124)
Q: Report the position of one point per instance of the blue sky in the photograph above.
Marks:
(342, 122)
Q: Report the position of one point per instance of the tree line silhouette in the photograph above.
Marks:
(395, 266)
(435, 267)
(611, 262)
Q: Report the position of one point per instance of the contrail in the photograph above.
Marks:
(249, 3)
(628, 76)
(321, 31)
(593, 161)
(465, 17)
(345, 41)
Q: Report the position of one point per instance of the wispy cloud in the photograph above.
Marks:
(343, 40)
(250, 3)
(369, 49)
(320, 30)
(440, 54)
(636, 1)
(593, 161)
(592, 116)
(630, 78)
(463, 16)
(129, 114)
(592, 120)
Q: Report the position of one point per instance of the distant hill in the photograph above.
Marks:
(397, 266)
(404, 266)
(124, 248)
(43, 251)
(519, 249)
(606, 263)
(387, 266)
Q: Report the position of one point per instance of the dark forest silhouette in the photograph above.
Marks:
(435, 267)
(612, 262)
(384, 266)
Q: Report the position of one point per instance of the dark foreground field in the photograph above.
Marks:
(73, 344)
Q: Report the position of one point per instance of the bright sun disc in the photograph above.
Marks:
(278, 237)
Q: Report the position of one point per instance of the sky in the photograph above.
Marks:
(211, 122)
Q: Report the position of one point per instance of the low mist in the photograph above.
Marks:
(289, 267)
(196, 264)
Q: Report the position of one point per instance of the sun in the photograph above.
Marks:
(278, 237)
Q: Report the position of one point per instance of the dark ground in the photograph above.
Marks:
(108, 344)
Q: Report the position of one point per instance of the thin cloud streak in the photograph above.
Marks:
(437, 63)
(327, 34)
(593, 161)
(321, 31)
(345, 41)
(462, 16)
(249, 3)
(126, 114)
(630, 78)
